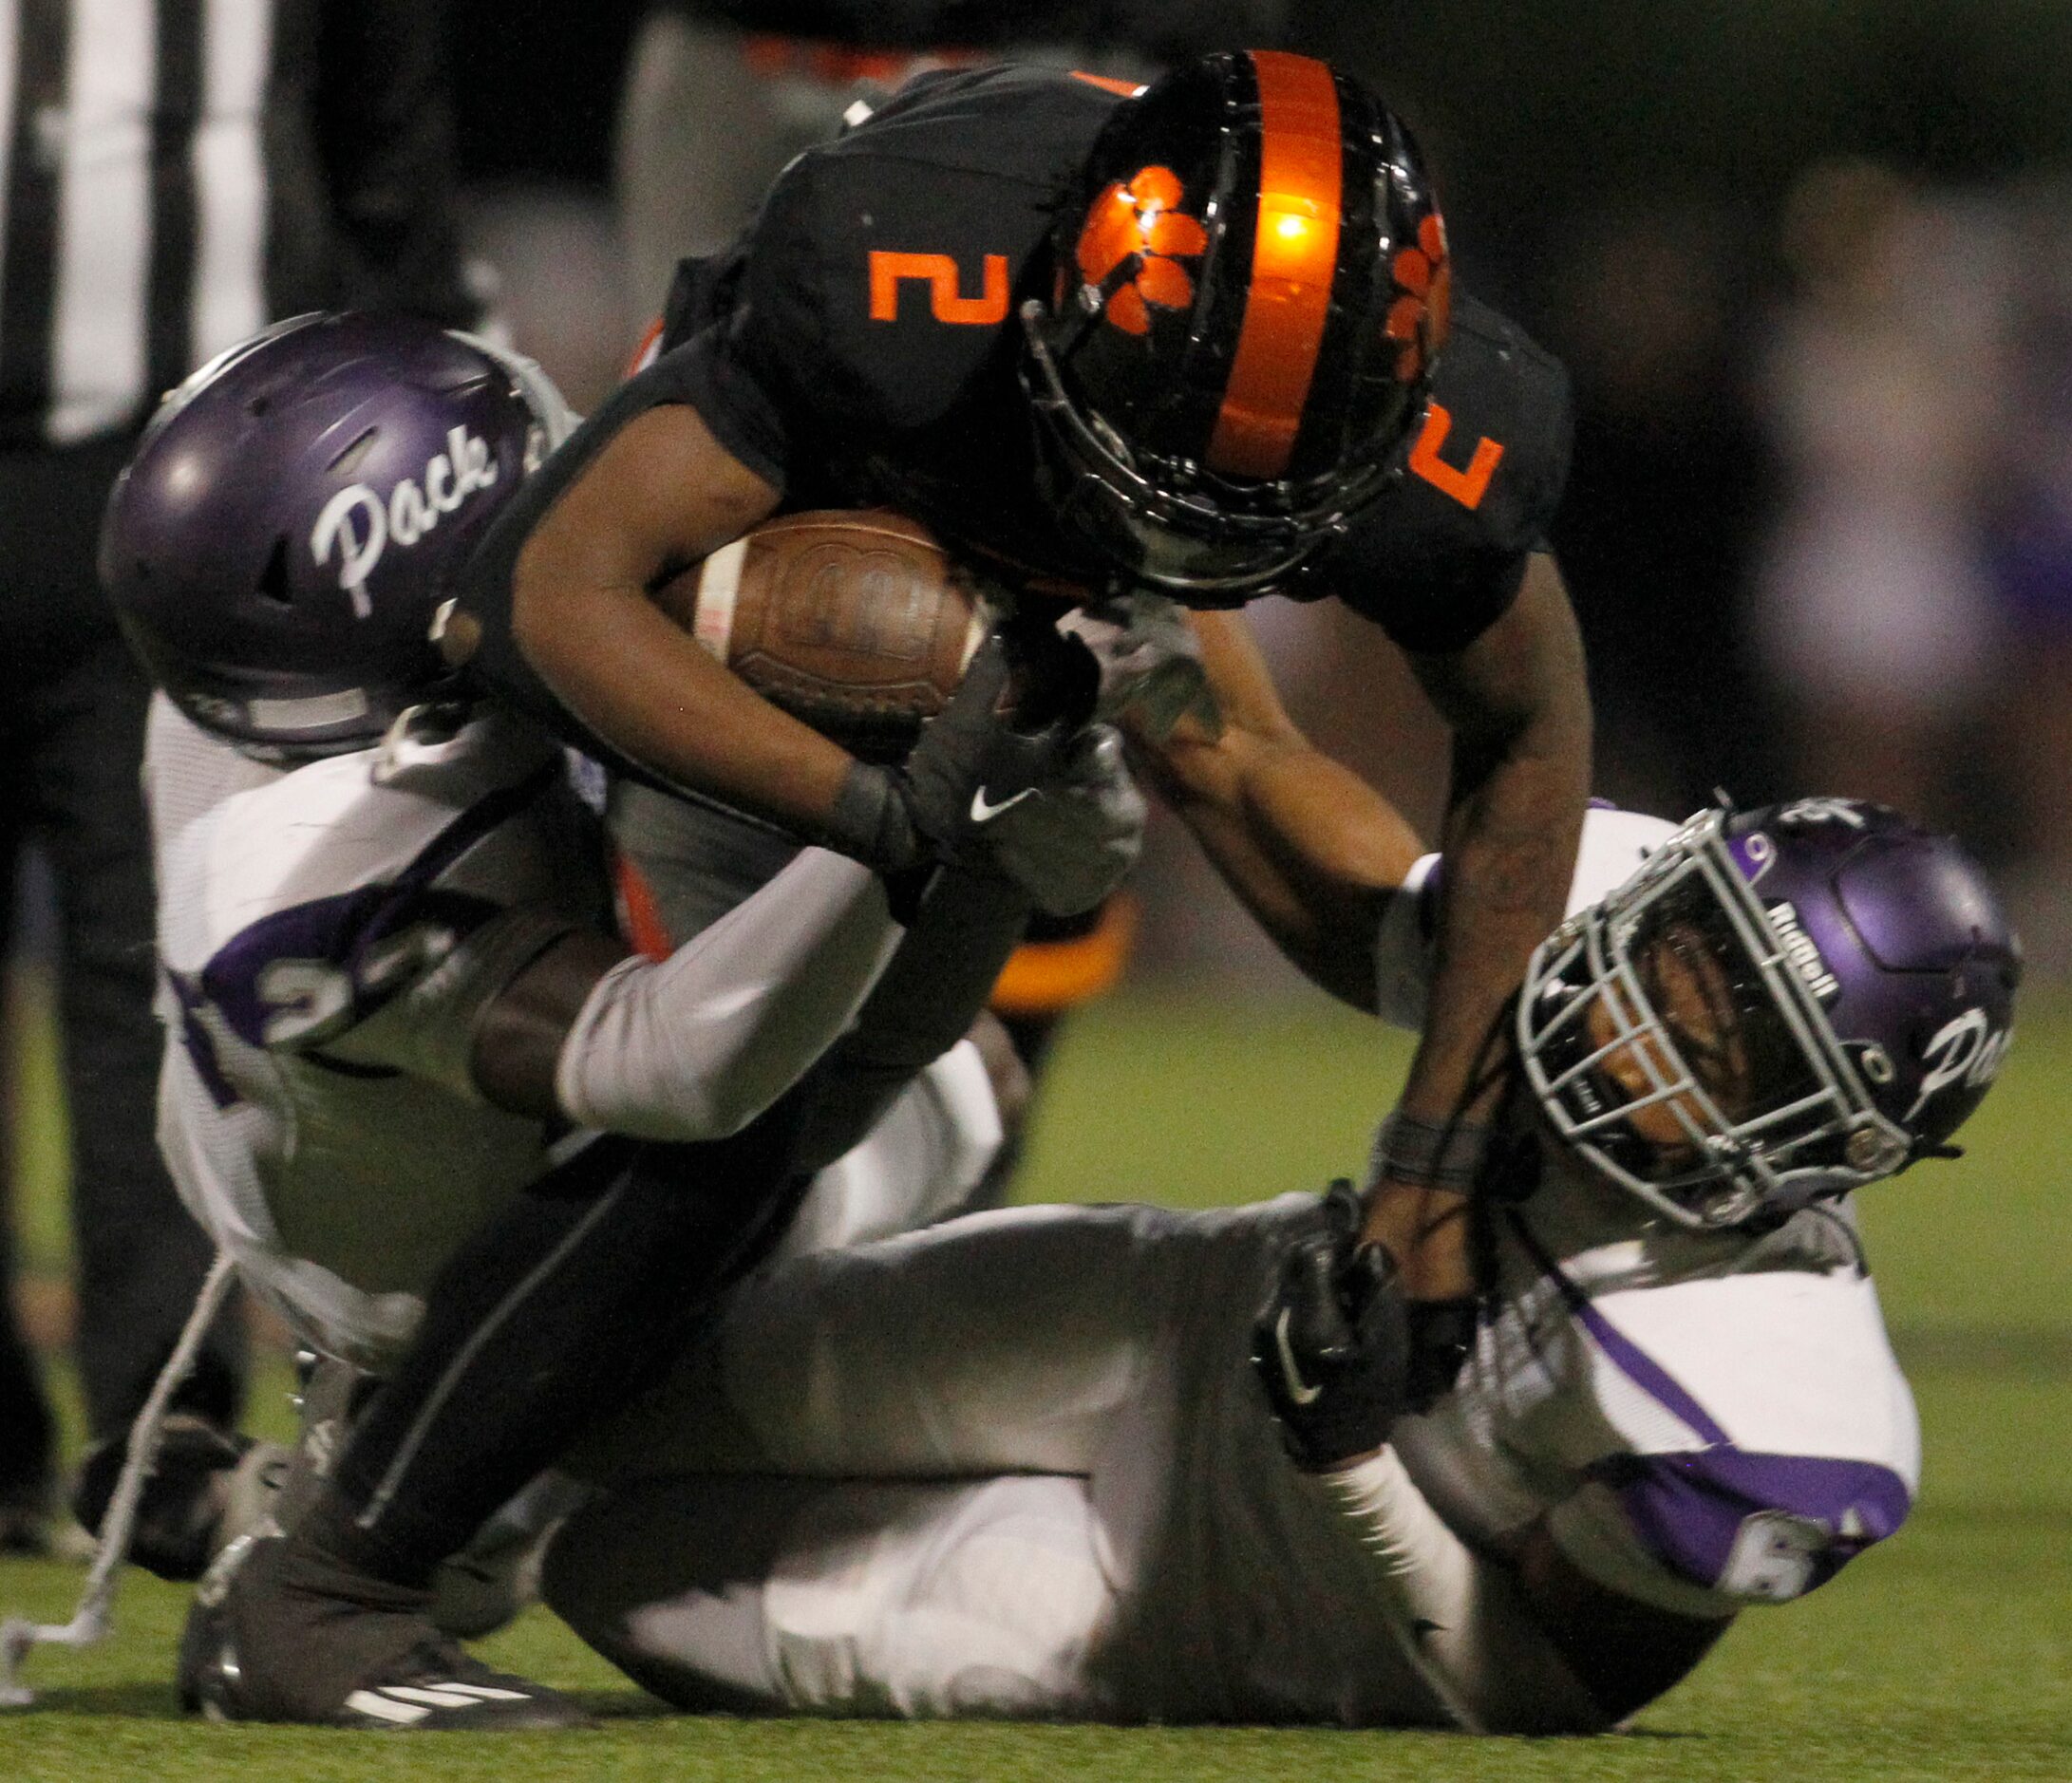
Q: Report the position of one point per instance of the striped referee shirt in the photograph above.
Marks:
(176, 173)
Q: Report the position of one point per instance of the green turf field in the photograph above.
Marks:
(1947, 1654)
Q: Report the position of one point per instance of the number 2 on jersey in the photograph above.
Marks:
(946, 302)
(1467, 487)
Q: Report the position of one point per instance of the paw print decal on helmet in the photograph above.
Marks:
(1140, 218)
(1418, 319)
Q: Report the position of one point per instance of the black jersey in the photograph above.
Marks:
(861, 345)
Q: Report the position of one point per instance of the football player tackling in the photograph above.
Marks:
(1022, 1464)
(413, 1084)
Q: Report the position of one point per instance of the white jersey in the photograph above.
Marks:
(328, 936)
(1112, 1528)
(1704, 1419)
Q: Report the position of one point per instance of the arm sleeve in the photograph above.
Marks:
(384, 126)
(1461, 1620)
(696, 1046)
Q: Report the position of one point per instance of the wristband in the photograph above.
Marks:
(1432, 1153)
(870, 822)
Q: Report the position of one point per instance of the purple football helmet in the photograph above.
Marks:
(282, 538)
(1853, 977)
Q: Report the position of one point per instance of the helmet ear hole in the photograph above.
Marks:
(347, 462)
(274, 585)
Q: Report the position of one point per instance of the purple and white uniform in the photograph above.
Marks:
(1023, 1468)
(1019, 1464)
(328, 936)
(1705, 1420)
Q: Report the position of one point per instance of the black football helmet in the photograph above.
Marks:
(291, 521)
(1251, 287)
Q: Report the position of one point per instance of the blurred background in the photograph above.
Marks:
(1807, 261)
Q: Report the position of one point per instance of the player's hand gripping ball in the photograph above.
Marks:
(855, 622)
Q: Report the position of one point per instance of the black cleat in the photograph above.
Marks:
(263, 1644)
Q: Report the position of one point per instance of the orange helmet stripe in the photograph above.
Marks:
(1109, 83)
(1294, 257)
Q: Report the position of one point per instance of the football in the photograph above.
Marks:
(855, 622)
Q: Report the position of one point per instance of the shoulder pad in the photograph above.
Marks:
(306, 974)
(1755, 1431)
(882, 273)
(348, 880)
(1438, 557)
(1494, 383)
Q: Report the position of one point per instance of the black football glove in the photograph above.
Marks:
(1331, 1346)
(1025, 697)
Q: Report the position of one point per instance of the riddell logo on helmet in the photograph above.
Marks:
(1798, 949)
(1142, 218)
(361, 524)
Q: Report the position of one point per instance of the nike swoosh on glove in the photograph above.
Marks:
(1332, 1345)
(1025, 697)
(1072, 840)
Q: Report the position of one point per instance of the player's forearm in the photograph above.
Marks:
(1520, 710)
(647, 687)
(1505, 847)
(936, 984)
(695, 1047)
(660, 492)
(1308, 847)
(1508, 841)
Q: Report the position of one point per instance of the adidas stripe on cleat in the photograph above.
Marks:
(265, 1642)
(439, 1703)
